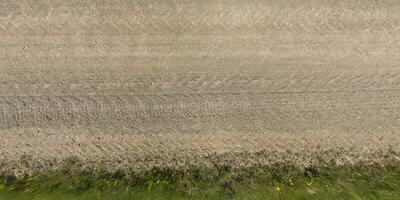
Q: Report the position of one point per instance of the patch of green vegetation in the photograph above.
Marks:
(278, 182)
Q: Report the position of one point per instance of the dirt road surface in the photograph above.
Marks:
(146, 83)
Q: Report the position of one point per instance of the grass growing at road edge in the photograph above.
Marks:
(276, 182)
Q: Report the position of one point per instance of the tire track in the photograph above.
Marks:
(301, 149)
(135, 84)
(236, 111)
(278, 17)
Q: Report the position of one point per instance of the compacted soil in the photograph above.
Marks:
(145, 83)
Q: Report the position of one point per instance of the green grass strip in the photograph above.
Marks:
(277, 182)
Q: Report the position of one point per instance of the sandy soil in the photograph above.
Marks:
(166, 83)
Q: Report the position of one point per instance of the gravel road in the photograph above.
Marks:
(144, 83)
